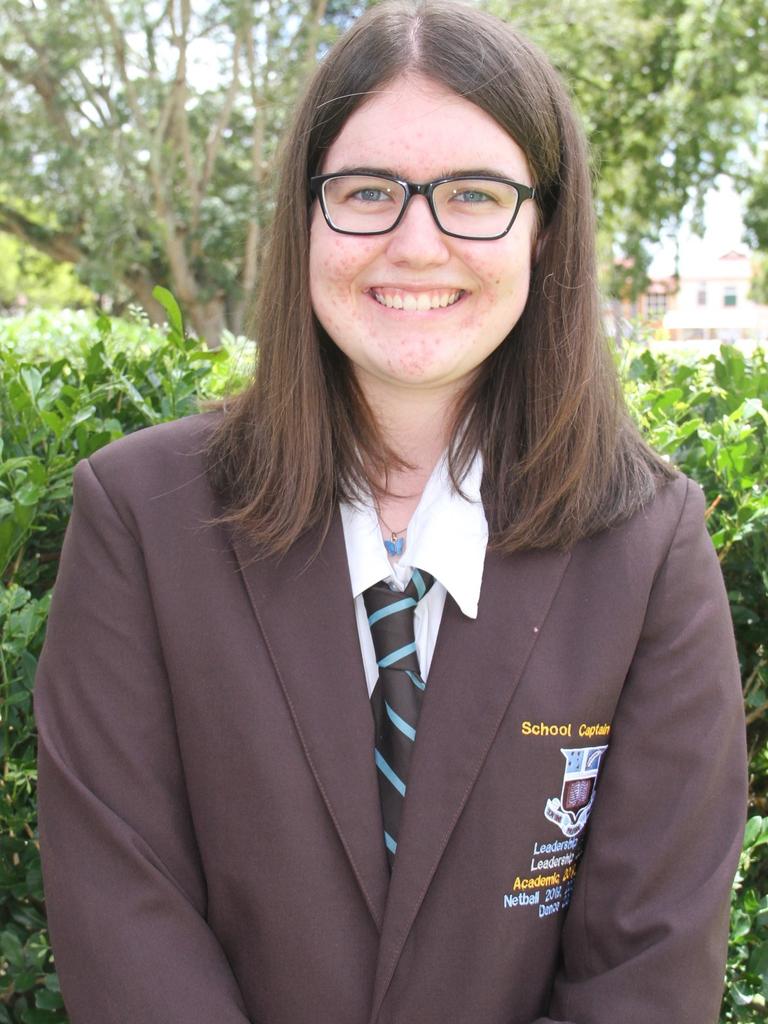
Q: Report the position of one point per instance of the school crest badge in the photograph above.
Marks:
(572, 808)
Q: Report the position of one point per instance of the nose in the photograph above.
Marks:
(417, 240)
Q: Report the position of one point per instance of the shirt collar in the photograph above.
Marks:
(447, 537)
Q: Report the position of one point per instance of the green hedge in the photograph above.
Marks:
(70, 384)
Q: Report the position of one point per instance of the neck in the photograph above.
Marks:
(417, 425)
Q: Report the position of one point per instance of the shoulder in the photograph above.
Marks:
(164, 448)
(640, 546)
(678, 502)
(157, 471)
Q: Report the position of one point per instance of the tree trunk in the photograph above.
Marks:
(141, 285)
(241, 315)
(208, 319)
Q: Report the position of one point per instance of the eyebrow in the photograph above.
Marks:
(389, 172)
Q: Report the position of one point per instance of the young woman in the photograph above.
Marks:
(402, 688)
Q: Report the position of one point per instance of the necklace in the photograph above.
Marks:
(396, 544)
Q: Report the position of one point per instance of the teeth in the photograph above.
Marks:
(417, 301)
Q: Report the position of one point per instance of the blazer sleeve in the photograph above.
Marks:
(645, 937)
(125, 890)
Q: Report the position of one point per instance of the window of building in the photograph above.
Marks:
(656, 304)
(729, 295)
(701, 294)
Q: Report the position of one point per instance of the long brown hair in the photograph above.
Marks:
(561, 457)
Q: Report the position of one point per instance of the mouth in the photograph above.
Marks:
(417, 302)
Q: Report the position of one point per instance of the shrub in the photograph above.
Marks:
(70, 384)
(709, 417)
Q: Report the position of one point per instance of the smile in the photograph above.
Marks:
(420, 302)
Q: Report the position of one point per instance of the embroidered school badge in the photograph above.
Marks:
(572, 808)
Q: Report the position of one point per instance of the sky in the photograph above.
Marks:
(724, 230)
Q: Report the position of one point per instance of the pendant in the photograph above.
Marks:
(395, 546)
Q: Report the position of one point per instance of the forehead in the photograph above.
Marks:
(418, 129)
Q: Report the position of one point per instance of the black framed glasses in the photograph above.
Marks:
(476, 207)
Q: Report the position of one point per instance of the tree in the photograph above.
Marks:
(669, 91)
(27, 276)
(758, 291)
(136, 138)
(755, 185)
(756, 213)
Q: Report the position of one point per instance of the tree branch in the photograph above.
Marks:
(253, 232)
(220, 125)
(96, 96)
(310, 28)
(118, 45)
(180, 118)
(47, 88)
(62, 246)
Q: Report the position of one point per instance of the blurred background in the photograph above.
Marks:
(138, 139)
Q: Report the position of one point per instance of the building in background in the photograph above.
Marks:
(709, 301)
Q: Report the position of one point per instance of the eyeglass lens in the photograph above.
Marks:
(361, 203)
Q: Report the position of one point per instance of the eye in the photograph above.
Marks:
(472, 195)
(370, 195)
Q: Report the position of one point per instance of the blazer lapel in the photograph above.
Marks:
(475, 670)
(305, 609)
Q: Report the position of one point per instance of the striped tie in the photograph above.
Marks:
(396, 698)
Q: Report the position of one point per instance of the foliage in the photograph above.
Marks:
(67, 386)
(29, 276)
(747, 971)
(669, 91)
(72, 383)
(758, 291)
(138, 140)
(756, 212)
(709, 417)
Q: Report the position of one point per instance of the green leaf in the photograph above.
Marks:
(168, 301)
(104, 325)
(47, 1000)
(12, 947)
(29, 493)
(30, 1016)
(32, 380)
(26, 979)
(741, 924)
(53, 421)
(755, 832)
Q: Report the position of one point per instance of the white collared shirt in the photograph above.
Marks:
(447, 537)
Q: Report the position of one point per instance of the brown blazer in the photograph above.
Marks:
(210, 824)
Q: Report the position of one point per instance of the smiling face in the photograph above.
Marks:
(416, 309)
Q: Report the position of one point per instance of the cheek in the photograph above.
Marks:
(509, 283)
(336, 261)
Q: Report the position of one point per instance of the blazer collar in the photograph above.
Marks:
(304, 605)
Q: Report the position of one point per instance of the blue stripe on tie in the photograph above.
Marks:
(401, 652)
(387, 772)
(402, 725)
(398, 606)
(419, 583)
(415, 680)
(391, 844)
